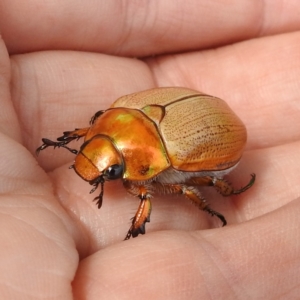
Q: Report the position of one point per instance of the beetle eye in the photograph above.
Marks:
(114, 172)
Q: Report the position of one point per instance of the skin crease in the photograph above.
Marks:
(55, 243)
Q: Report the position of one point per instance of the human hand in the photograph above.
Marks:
(53, 234)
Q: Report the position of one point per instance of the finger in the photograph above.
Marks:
(240, 210)
(263, 89)
(141, 28)
(276, 184)
(275, 187)
(35, 234)
(9, 124)
(229, 263)
(58, 91)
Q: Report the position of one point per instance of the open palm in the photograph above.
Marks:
(69, 62)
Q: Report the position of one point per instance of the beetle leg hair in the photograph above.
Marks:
(194, 195)
(221, 185)
(143, 212)
(62, 141)
(143, 192)
(191, 193)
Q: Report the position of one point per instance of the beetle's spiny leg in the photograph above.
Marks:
(74, 151)
(144, 210)
(49, 143)
(62, 141)
(43, 146)
(215, 213)
(246, 187)
(96, 116)
(76, 134)
(221, 185)
(191, 193)
(194, 195)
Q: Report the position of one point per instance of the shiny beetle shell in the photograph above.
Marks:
(165, 140)
(199, 132)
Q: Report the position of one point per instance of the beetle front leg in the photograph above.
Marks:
(221, 185)
(62, 141)
(144, 210)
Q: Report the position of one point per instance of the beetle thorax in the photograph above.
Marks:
(135, 138)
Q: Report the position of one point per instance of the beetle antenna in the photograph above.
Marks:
(101, 194)
(99, 198)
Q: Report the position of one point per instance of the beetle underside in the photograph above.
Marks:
(188, 189)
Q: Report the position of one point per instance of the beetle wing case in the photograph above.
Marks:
(212, 137)
(200, 132)
(161, 96)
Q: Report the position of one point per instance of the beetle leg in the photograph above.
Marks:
(143, 213)
(191, 193)
(96, 116)
(221, 185)
(76, 134)
(139, 220)
(194, 195)
(62, 141)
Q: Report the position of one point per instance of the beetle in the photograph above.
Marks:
(163, 140)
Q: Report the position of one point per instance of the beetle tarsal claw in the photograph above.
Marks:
(134, 232)
(99, 200)
(59, 144)
(215, 213)
(246, 187)
(128, 235)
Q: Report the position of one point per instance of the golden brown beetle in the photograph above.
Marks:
(164, 140)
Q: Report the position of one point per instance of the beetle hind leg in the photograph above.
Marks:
(191, 193)
(194, 195)
(221, 185)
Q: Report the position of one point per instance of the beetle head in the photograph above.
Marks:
(99, 160)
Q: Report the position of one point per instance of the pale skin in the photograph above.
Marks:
(54, 241)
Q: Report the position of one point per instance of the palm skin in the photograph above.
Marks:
(57, 244)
